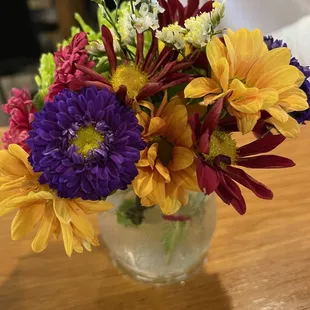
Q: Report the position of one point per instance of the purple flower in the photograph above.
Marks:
(85, 144)
(302, 116)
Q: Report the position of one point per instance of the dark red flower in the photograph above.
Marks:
(218, 155)
(144, 77)
(21, 111)
(66, 60)
(176, 12)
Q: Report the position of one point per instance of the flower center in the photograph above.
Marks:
(164, 151)
(88, 139)
(131, 77)
(221, 143)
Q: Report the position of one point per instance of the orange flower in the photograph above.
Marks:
(167, 165)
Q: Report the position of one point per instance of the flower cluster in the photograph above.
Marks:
(150, 100)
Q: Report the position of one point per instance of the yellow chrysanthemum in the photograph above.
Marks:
(167, 167)
(39, 206)
(260, 80)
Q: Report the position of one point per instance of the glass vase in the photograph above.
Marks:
(152, 247)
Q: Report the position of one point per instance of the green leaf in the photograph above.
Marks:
(122, 212)
(173, 235)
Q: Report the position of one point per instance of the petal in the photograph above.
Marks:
(231, 56)
(61, 211)
(152, 154)
(40, 241)
(278, 113)
(10, 165)
(204, 143)
(171, 205)
(293, 99)
(155, 126)
(143, 184)
(289, 129)
(259, 189)
(81, 222)
(200, 87)
(18, 152)
(208, 179)
(262, 145)
(278, 77)
(216, 50)
(274, 58)
(223, 71)
(25, 220)
(67, 235)
(186, 178)
(90, 207)
(266, 161)
(181, 158)
(163, 171)
(213, 116)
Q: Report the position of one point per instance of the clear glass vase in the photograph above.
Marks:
(162, 249)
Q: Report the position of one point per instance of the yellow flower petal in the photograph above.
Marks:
(187, 177)
(171, 206)
(185, 139)
(215, 51)
(200, 87)
(293, 99)
(278, 77)
(278, 113)
(9, 165)
(231, 56)
(81, 222)
(152, 154)
(156, 125)
(223, 71)
(289, 129)
(163, 171)
(77, 246)
(273, 59)
(90, 207)
(142, 184)
(40, 241)
(67, 236)
(25, 220)
(18, 152)
(248, 105)
(158, 193)
(61, 211)
(181, 158)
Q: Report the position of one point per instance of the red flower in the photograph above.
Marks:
(66, 60)
(176, 12)
(136, 80)
(21, 111)
(217, 155)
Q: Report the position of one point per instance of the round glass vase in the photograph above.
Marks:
(159, 249)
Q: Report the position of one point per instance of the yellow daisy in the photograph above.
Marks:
(260, 80)
(167, 167)
(38, 206)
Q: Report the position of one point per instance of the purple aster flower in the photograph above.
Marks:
(85, 144)
(301, 116)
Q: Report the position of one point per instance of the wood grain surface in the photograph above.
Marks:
(258, 261)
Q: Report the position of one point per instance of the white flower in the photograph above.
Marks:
(201, 27)
(172, 35)
(126, 29)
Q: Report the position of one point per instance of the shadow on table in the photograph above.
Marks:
(51, 280)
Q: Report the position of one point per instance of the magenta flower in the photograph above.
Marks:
(66, 60)
(218, 154)
(21, 111)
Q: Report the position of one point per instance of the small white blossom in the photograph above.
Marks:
(126, 29)
(201, 28)
(172, 35)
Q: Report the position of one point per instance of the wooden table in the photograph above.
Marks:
(259, 261)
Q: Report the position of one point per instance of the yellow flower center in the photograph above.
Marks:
(164, 151)
(131, 77)
(221, 143)
(88, 139)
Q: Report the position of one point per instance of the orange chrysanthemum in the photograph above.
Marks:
(167, 165)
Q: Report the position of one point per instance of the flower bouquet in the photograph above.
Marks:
(138, 119)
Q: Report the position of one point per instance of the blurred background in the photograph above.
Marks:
(31, 27)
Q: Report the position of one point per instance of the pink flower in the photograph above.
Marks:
(21, 111)
(66, 59)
